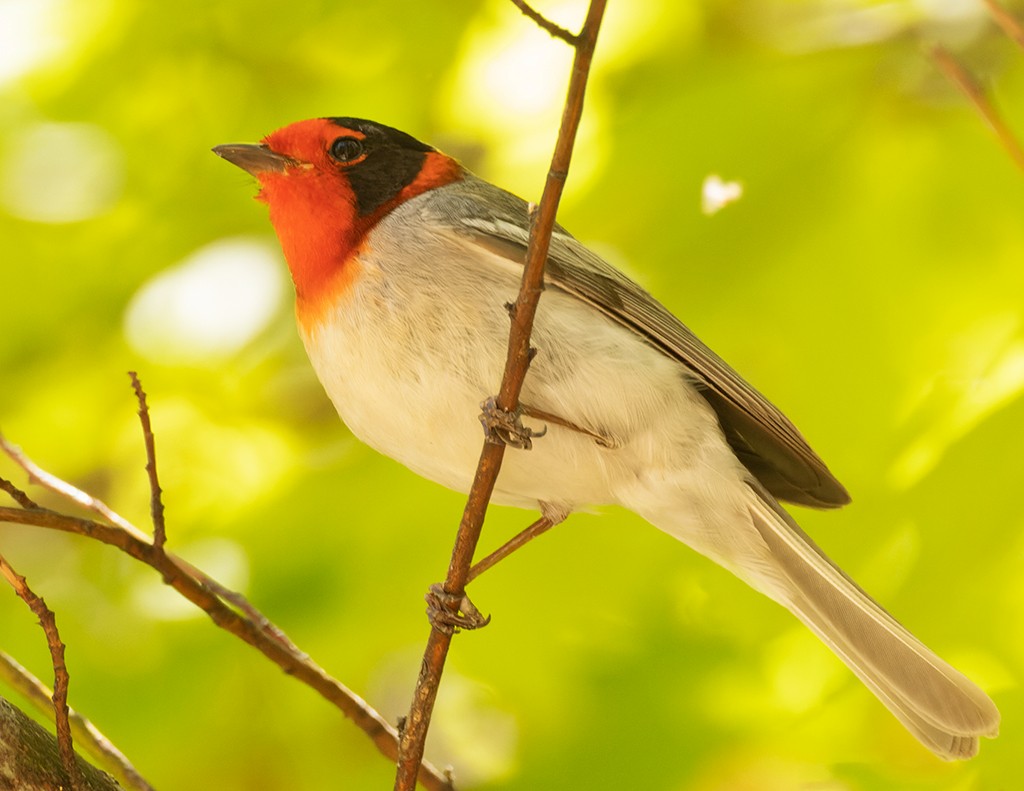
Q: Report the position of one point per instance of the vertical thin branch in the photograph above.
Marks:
(414, 732)
(156, 504)
(60, 671)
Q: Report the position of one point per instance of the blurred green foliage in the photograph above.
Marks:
(870, 281)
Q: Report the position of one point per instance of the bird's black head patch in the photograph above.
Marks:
(379, 161)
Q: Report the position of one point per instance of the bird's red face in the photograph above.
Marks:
(327, 182)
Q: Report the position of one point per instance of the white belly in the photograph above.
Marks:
(419, 341)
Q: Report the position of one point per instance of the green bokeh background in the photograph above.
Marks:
(870, 281)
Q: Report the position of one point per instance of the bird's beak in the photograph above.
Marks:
(254, 159)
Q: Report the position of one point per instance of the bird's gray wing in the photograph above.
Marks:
(767, 443)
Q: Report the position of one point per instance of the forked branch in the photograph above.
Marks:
(228, 610)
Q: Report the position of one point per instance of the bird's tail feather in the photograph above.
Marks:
(938, 704)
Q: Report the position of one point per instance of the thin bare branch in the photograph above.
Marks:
(61, 678)
(542, 21)
(1009, 23)
(236, 599)
(414, 732)
(960, 77)
(17, 494)
(258, 632)
(86, 735)
(38, 475)
(156, 503)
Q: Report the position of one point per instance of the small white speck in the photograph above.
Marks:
(716, 194)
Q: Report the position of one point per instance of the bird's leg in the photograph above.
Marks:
(551, 517)
(501, 427)
(448, 611)
(604, 440)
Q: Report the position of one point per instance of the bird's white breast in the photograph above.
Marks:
(419, 341)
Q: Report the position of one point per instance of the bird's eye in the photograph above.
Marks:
(345, 149)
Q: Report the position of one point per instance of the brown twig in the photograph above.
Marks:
(259, 633)
(77, 496)
(60, 671)
(17, 494)
(960, 77)
(156, 503)
(238, 600)
(517, 362)
(38, 475)
(543, 22)
(517, 541)
(1009, 23)
(85, 734)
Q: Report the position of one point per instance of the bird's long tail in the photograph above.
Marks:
(939, 705)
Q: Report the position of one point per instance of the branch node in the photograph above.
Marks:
(554, 30)
(18, 495)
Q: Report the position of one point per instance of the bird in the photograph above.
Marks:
(403, 263)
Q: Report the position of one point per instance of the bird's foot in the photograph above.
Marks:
(501, 427)
(448, 612)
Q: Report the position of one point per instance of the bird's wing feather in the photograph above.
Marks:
(762, 437)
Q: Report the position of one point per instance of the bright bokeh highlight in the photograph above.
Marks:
(58, 173)
(209, 305)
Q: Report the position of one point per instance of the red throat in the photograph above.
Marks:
(314, 211)
(319, 229)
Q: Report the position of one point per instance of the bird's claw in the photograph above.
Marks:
(501, 427)
(448, 612)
